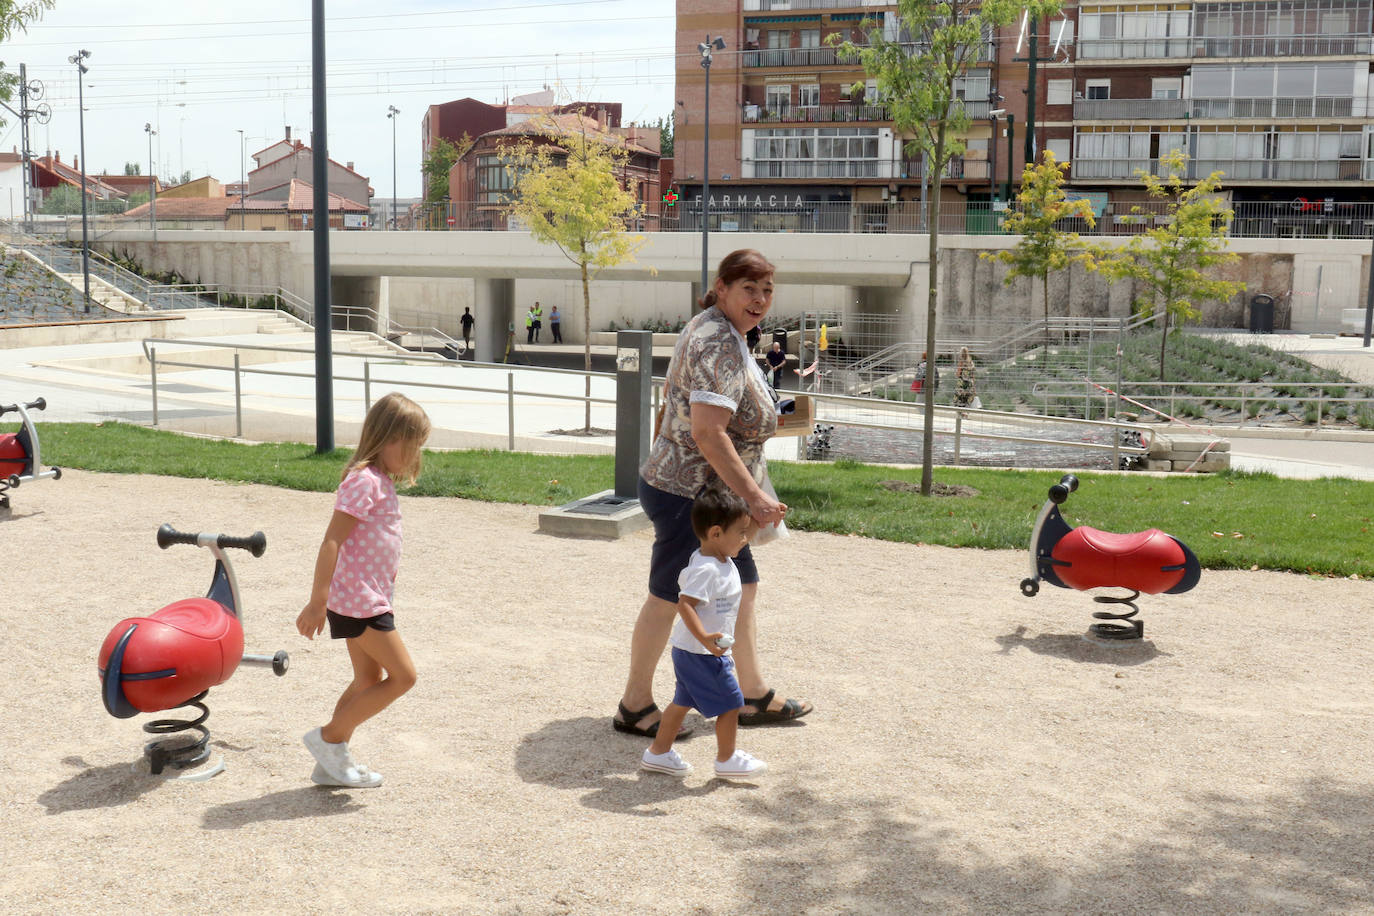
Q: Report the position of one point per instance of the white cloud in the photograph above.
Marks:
(200, 71)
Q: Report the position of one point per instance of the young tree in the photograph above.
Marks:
(916, 69)
(439, 163)
(1044, 247)
(1171, 261)
(133, 168)
(15, 16)
(667, 131)
(571, 195)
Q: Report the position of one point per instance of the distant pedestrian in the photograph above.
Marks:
(776, 360)
(529, 325)
(467, 321)
(556, 325)
(965, 385)
(538, 319)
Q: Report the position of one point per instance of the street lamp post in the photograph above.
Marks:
(152, 181)
(243, 179)
(391, 112)
(707, 49)
(1011, 139)
(81, 70)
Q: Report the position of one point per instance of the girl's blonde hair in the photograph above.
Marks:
(393, 417)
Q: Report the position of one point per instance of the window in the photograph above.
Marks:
(1166, 87)
(817, 152)
(779, 99)
(810, 38)
(493, 181)
(1060, 92)
(1060, 149)
(809, 95)
(1098, 89)
(870, 92)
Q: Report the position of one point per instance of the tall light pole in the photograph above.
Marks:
(391, 112)
(152, 181)
(243, 178)
(81, 70)
(707, 49)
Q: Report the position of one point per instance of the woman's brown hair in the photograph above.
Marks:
(393, 417)
(742, 264)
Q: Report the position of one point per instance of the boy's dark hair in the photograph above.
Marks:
(716, 505)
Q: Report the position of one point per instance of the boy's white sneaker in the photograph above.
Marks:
(740, 766)
(670, 762)
(368, 779)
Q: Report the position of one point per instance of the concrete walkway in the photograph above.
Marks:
(103, 381)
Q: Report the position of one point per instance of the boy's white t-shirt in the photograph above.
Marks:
(716, 586)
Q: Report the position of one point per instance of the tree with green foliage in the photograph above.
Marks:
(667, 132)
(1172, 260)
(917, 69)
(1044, 248)
(63, 200)
(571, 195)
(438, 163)
(15, 16)
(133, 168)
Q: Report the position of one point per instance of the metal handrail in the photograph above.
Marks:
(1177, 392)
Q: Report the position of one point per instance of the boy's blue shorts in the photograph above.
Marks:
(706, 683)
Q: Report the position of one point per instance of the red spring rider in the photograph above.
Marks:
(20, 459)
(1147, 561)
(172, 657)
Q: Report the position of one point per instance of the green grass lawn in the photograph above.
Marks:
(1230, 520)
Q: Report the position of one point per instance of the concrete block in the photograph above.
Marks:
(1156, 464)
(1202, 467)
(602, 515)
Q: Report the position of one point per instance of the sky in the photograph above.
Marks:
(199, 72)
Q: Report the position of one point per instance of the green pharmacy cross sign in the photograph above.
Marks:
(670, 198)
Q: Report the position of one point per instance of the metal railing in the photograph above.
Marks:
(366, 376)
(956, 425)
(1313, 403)
(426, 339)
(750, 6)
(1190, 46)
(844, 112)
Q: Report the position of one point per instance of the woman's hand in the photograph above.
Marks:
(765, 510)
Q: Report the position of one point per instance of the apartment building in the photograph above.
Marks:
(1274, 93)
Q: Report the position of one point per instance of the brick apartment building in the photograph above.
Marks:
(1275, 93)
(478, 182)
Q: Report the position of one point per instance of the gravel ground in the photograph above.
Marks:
(970, 751)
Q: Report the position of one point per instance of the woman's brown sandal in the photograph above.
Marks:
(629, 722)
(791, 709)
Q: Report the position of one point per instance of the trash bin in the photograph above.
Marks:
(780, 337)
(1262, 314)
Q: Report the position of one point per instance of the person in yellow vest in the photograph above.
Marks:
(538, 312)
(529, 325)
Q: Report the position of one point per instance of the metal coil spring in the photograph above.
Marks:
(177, 752)
(1132, 629)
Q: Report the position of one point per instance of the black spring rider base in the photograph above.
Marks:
(183, 752)
(1131, 629)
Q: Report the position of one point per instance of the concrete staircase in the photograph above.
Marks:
(106, 295)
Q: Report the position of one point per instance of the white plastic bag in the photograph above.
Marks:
(769, 533)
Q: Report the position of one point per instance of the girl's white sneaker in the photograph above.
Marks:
(367, 779)
(670, 763)
(740, 766)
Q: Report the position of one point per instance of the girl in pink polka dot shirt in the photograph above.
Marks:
(354, 576)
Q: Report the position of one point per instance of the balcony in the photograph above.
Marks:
(792, 57)
(843, 113)
(1183, 47)
(751, 6)
(1129, 109)
(1225, 109)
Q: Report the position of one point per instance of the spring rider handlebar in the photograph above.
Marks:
(20, 456)
(1083, 558)
(172, 657)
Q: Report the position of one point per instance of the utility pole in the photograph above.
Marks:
(152, 181)
(319, 142)
(81, 69)
(707, 49)
(1032, 58)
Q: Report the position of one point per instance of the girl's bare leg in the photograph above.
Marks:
(372, 650)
